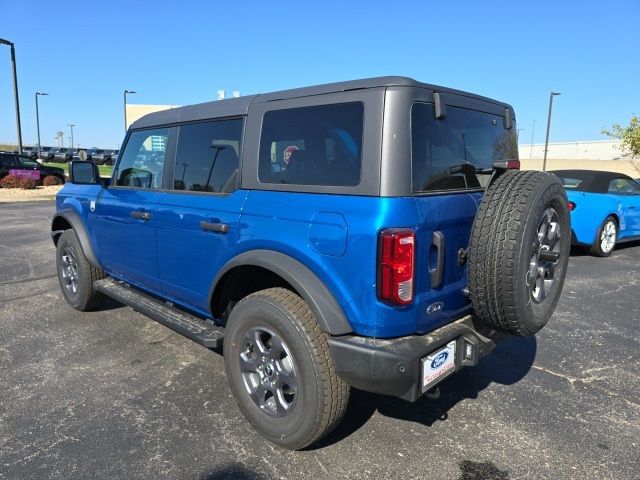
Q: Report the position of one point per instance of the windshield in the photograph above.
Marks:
(457, 152)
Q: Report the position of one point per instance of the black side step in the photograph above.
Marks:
(205, 332)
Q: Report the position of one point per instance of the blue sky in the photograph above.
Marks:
(85, 53)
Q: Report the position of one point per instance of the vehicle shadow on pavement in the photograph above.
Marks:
(507, 364)
(231, 471)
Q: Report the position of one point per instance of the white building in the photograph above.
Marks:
(582, 150)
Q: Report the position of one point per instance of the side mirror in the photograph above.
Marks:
(85, 173)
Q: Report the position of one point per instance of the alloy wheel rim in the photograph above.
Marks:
(608, 237)
(545, 256)
(70, 270)
(268, 371)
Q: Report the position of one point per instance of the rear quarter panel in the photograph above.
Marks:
(591, 210)
(343, 254)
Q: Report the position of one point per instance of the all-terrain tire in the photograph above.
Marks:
(76, 275)
(519, 251)
(283, 318)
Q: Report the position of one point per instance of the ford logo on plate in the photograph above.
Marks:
(439, 360)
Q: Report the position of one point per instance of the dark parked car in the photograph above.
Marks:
(30, 152)
(64, 154)
(374, 234)
(51, 154)
(26, 167)
(100, 156)
(46, 153)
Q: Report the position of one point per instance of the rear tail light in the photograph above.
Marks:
(572, 206)
(396, 254)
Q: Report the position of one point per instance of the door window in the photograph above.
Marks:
(142, 162)
(207, 158)
(320, 145)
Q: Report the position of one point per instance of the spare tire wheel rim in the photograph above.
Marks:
(268, 371)
(608, 237)
(545, 256)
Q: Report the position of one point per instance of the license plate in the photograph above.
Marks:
(438, 365)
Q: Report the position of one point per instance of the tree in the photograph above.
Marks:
(629, 136)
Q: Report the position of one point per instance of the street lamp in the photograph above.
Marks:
(125, 108)
(38, 120)
(71, 125)
(546, 142)
(15, 89)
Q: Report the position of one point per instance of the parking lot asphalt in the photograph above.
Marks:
(114, 395)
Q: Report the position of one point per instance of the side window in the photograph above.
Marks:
(207, 158)
(319, 145)
(622, 186)
(142, 161)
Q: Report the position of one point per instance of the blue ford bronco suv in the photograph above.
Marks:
(374, 234)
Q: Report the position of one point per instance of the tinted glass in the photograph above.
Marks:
(207, 158)
(9, 161)
(313, 145)
(142, 161)
(623, 186)
(457, 152)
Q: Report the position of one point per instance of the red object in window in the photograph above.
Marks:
(396, 254)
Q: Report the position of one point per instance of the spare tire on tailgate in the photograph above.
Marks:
(519, 251)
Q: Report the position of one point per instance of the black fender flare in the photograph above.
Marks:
(73, 218)
(329, 315)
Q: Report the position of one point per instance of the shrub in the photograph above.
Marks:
(28, 183)
(10, 181)
(51, 180)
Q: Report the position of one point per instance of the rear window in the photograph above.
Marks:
(457, 152)
(320, 145)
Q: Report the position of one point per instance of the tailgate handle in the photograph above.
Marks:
(215, 227)
(437, 272)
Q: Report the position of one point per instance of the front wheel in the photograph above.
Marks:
(606, 238)
(280, 369)
(75, 274)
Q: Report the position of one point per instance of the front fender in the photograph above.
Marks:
(70, 217)
(327, 311)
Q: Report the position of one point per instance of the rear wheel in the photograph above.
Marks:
(606, 238)
(519, 251)
(280, 369)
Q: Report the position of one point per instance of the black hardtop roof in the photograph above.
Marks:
(594, 181)
(240, 106)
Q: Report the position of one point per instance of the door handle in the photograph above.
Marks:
(215, 227)
(437, 272)
(141, 215)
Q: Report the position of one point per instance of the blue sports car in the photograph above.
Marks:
(604, 206)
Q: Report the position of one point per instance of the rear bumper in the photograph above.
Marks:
(393, 366)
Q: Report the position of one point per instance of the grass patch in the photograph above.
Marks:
(105, 170)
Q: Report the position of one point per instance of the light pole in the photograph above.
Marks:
(532, 130)
(71, 125)
(38, 120)
(546, 142)
(125, 108)
(15, 89)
